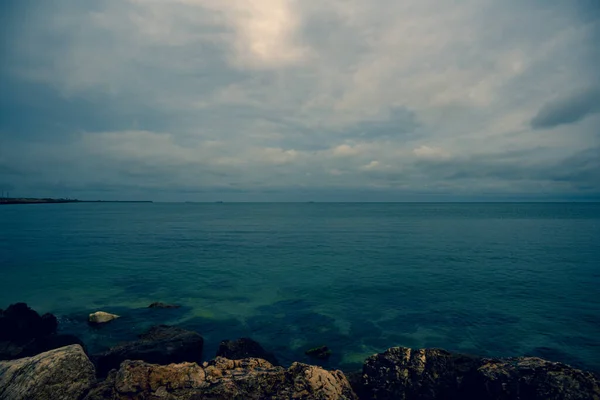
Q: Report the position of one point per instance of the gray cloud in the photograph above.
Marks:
(567, 110)
(196, 99)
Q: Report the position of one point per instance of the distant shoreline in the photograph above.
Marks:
(61, 201)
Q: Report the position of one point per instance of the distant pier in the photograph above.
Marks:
(28, 200)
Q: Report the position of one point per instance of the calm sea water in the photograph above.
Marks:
(488, 279)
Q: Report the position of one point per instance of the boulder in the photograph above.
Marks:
(222, 378)
(60, 374)
(428, 374)
(160, 345)
(533, 378)
(19, 322)
(101, 317)
(10, 350)
(244, 348)
(321, 352)
(24, 333)
(163, 305)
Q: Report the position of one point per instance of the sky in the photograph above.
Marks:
(297, 100)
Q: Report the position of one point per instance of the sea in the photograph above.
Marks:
(489, 279)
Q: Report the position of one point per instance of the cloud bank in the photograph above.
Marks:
(288, 100)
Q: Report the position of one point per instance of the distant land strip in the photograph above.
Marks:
(28, 200)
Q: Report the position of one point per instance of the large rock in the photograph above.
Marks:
(160, 345)
(101, 317)
(244, 348)
(60, 374)
(526, 378)
(222, 379)
(428, 374)
(19, 322)
(11, 350)
(24, 333)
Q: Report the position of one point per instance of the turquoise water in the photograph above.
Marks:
(488, 279)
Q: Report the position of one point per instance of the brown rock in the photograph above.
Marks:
(222, 378)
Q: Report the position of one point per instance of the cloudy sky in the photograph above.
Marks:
(300, 99)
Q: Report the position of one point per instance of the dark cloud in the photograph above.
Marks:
(568, 110)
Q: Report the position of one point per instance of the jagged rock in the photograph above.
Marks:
(428, 374)
(59, 374)
(526, 378)
(101, 317)
(222, 378)
(244, 348)
(23, 333)
(163, 305)
(321, 352)
(19, 322)
(160, 345)
(11, 350)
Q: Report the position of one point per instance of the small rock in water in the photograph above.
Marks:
(321, 352)
(101, 317)
(158, 304)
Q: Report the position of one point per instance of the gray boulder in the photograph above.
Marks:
(60, 374)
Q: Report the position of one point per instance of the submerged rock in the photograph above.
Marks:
(60, 374)
(10, 350)
(101, 317)
(244, 348)
(222, 378)
(163, 305)
(19, 322)
(427, 374)
(321, 352)
(160, 345)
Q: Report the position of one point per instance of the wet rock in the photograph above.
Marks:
(244, 348)
(11, 350)
(101, 317)
(427, 374)
(222, 378)
(19, 322)
(321, 352)
(60, 374)
(160, 345)
(24, 333)
(526, 378)
(163, 305)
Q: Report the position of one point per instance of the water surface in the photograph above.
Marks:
(489, 279)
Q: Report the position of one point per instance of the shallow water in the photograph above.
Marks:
(488, 279)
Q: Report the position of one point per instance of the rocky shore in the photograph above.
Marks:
(166, 363)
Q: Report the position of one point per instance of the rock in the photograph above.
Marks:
(59, 374)
(23, 333)
(222, 378)
(427, 374)
(160, 345)
(10, 350)
(163, 305)
(19, 322)
(101, 317)
(321, 352)
(534, 378)
(244, 348)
